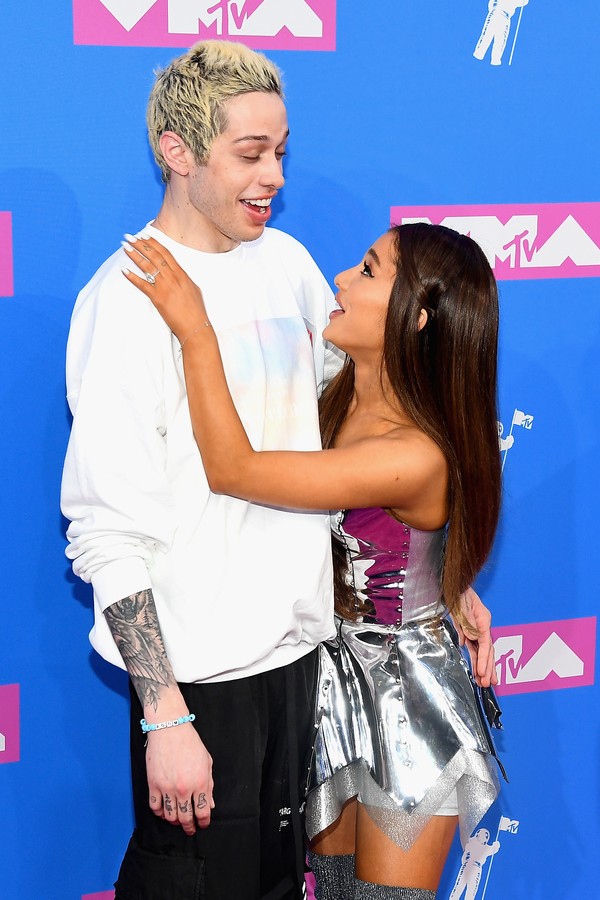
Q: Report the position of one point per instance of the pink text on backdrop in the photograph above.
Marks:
(545, 656)
(524, 240)
(261, 24)
(103, 895)
(7, 288)
(9, 723)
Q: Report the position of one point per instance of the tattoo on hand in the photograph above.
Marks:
(134, 625)
(183, 807)
(201, 801)
(167, 804)
(153, 799)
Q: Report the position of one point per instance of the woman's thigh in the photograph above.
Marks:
(340, 838)
(380, 861)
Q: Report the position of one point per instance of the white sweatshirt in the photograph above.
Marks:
(239, 588)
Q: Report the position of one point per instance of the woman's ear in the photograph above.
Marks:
(423, 317)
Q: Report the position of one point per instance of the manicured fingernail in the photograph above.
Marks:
(131, 237)
(143, 235)
(126, 246)
(126, 271)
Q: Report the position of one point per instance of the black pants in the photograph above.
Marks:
(258, 731)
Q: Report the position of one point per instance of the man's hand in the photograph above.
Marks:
(178, 764)
(473, 622)
(180, 780)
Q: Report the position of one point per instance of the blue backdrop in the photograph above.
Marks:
(389, 108)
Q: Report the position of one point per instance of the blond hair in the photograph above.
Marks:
(189, 96)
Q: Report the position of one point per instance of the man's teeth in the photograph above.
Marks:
(262, 204)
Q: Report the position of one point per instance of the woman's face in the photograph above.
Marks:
(357, 327)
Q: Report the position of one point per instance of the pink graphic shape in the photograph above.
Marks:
(9, 723)
(7, 288)
(103, 895)
(260, 24)
(310, 886)
(524, 240)
(545, 656)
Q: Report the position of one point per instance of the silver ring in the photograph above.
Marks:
(151, 276)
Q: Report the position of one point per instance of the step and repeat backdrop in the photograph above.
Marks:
(482, 116)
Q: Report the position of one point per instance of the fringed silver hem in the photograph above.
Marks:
(398, 726)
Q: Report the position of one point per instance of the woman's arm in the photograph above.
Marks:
(401, 469)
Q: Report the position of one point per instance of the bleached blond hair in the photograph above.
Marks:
(189, 96)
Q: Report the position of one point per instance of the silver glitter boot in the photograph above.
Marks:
(334, 876)
(365, 890)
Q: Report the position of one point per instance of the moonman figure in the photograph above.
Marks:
(477, 850)
(496, 28)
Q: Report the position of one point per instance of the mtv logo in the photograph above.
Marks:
(264, 24)
(510, 825)
(6, 256)
(9, 723)
(524, 241)
(545, 656)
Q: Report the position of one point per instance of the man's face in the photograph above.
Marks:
(232, 192)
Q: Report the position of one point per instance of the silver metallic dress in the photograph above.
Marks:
(398, 719)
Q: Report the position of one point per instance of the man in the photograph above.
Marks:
(214, 605)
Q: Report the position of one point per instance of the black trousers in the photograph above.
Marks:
(259, 732)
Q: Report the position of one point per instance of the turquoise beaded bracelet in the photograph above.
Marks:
(171, 724)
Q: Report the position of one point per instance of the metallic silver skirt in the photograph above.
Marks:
(398, 725)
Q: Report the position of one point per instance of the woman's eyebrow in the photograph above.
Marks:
(373, 254)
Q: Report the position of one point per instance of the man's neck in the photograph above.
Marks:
(184, 224)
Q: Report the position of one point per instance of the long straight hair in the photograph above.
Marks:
(445, 379)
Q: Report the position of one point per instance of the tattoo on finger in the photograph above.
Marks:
(201, 801)
(183, 807)
(168, 804)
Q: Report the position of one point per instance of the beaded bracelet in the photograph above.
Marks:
(171, 724)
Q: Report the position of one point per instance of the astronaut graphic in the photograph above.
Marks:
(524, 420)
(496, 29)
(505, 442)
(476, 852)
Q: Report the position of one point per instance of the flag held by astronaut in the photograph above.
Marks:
(510, 825)
(523, 419)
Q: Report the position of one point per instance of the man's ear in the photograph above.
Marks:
(175, 152)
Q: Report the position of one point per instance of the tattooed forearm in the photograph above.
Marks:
(134, 626)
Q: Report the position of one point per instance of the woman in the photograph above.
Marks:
(411, 459)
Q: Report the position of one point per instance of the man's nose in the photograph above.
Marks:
(272, 173)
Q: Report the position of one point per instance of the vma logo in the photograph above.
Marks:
(545, 656)
(543, 240)
(6, 256)
(9, 723)
(264, 24)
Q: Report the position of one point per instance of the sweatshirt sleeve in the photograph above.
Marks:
(115, 489)
(319, 299)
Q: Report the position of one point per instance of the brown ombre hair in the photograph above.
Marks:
(445, 379)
